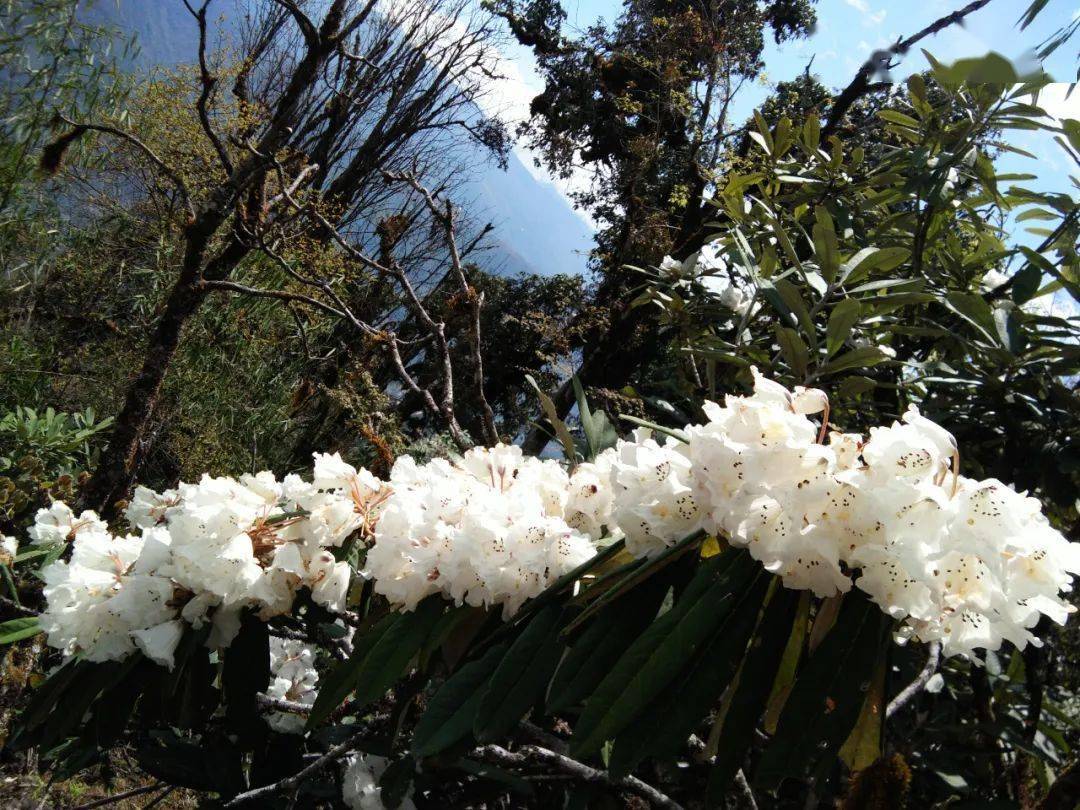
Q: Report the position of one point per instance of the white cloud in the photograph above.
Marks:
(1052, 98)
(875, 19)
(858, 5)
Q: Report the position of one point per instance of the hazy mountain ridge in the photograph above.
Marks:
(536, 230)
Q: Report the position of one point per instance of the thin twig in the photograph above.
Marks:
(166, 793)
(127, 794)
(534, 754)
(860, 85)
(912, 689)
(15, 607)
(209, 82)
(281, 705)
(281, 295)
(444, 215)
(162, 166)
(296, 779)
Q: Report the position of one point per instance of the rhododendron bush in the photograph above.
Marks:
(777, 510)
(557, 573)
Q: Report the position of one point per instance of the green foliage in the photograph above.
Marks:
(890, 282)
(52, 62)
(42, 456)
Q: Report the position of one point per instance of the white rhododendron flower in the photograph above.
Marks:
(968, 563)
(292, 678)
(9, 547)
(654, 501)
(147, 508)
(360, 784)
(58, 524)
(491, 529)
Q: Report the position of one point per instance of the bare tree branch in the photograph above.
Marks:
(444, 215)
(294, 781)
(280, 295)
(281, 705)
(534, 754)
(209, 82)
(878, 61)
(119, 797)
(161, 165)
(307, 27)
(912, 689)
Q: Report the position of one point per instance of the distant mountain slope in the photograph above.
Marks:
(536, 230)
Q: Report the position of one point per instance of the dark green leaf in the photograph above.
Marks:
(658, 656)
(828, 695)
(449, 715)
(974, 309)
(825, 245)
(379, 659)
(605, 639)
(863, 357)
(175, 761)
(395, 781)
(794, 350)
(841, 320)
(17, 629)
(752, 692)
(882, 261)
(45, 698)
(1026, 284)
(670, 719)
(245, 674)
(520, 677)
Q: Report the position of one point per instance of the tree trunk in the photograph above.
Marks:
(120, 460)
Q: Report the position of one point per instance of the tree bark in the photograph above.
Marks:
(119, 462)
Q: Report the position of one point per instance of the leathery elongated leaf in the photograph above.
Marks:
(747, 703)
(602, 643)
(45, 699)
(658, 656)
(554, 590)
(863, 747)
(388, 658)
(69, 711)
(559, 426)
(825, 244)
(828, 695)
(245, 674)
(18, 629)
(375, 665)
(633, 578)
(520, 677)
(670, 719)
(843, 317)
(338, 682)
(450, 713)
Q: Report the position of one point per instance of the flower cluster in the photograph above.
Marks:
(493, 528)
(292, 678)
(968, 563)
(202, 553)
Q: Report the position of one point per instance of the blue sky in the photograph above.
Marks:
(849, 30)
